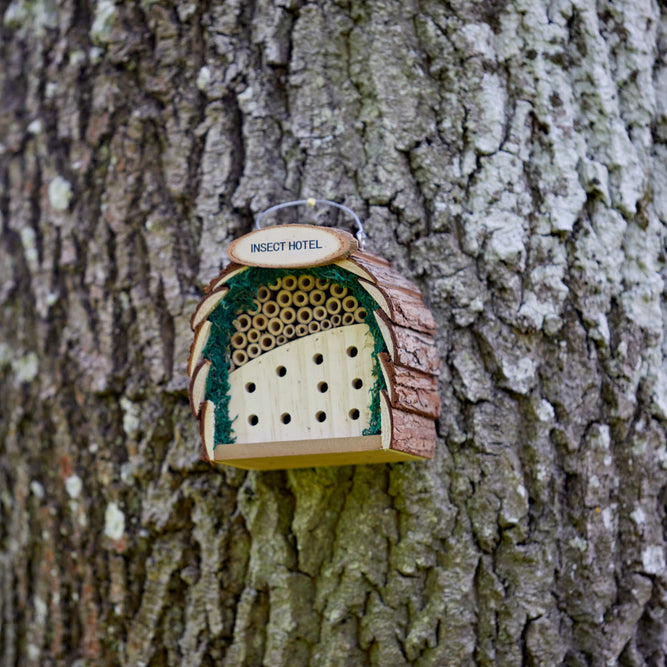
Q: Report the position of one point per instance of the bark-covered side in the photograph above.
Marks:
(511, 157)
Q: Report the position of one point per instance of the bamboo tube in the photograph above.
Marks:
(348, 318)
(281, 340)
(350, 304)
(304, 315)
(338, 290)
(276, 326)
(239, 340)
(335, 320)
(256, 307)
(306, 282)
(300, 298)
(322, 283)
(287, 315)
(267, 342)
(301, 330)
(276, 284)
(243, 322)
(239, 357)
(320, 312)
(317, 297)
(253, 335)
(232, 367)
(284, 298)
(289, 331)
(360, 314)
(253, 350)
(325, 325)
(290, 283)
(260, 321)
(313, 326)
(270, 308)
(263, 293)
(333, 306)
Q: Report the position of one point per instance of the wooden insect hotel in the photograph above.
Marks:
(308, 351)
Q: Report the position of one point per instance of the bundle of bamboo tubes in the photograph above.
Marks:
(291, 307)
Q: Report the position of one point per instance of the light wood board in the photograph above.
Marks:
(292, 246)
(308, 453)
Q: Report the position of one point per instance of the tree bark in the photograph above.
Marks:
(510, 158)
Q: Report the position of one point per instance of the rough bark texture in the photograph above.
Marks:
(509, 157)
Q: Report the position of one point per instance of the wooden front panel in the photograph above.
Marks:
(314, 387)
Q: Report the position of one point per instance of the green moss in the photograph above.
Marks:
(242, 290)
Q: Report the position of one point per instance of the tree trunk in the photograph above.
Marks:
(509, 157)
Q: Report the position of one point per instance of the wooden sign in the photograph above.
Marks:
(329, 363)
(292, 246)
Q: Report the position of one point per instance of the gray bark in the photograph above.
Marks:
(510, 157)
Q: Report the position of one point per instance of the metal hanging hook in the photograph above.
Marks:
(361, 236)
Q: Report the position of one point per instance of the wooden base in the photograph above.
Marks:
(308, 453)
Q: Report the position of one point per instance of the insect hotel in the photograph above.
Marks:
(308, 351)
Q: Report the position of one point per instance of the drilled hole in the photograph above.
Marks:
(323, 386)
(352, 351)
(281, 371)
(321, 416)
(318, 359)
(354, 414)
(357, 383)
(253, 420)
(285, 418)
(250, 387)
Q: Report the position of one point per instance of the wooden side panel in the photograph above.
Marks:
(228, 273)
(403, 308)
(207, 306)
(198, 386)
(372, 257)
(380, 272)
(354, 267)
(410, 389)
(409, 348)
(207, 430)
(406, 431)
(202, 334)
